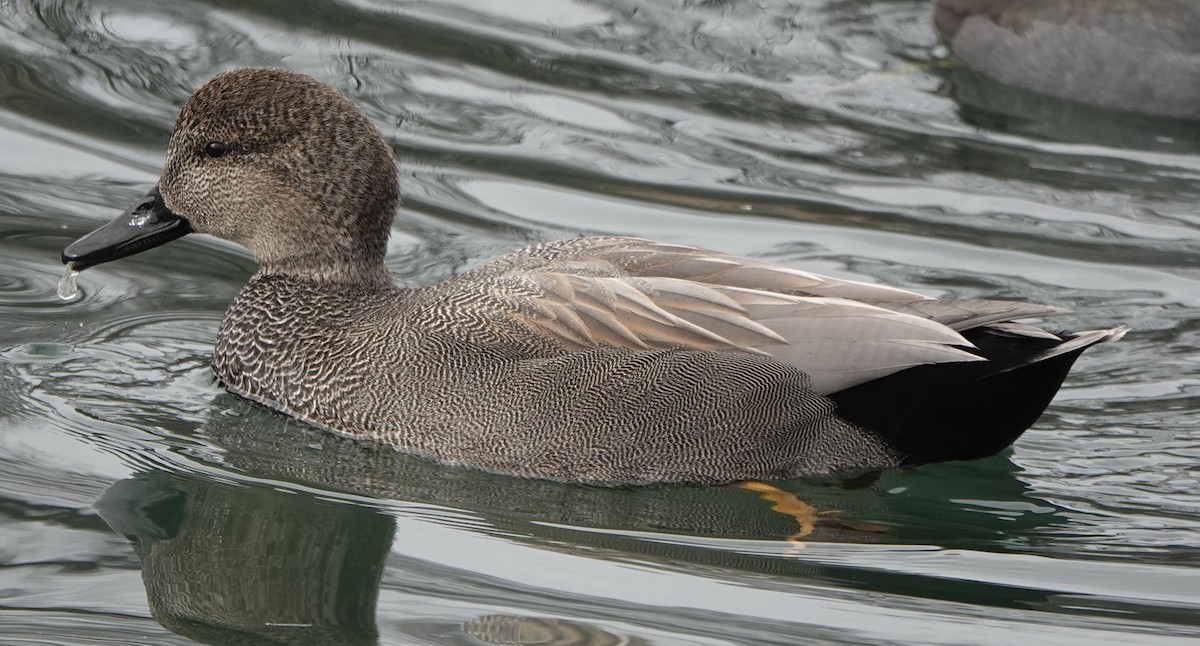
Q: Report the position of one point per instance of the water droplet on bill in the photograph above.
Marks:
(68, 289)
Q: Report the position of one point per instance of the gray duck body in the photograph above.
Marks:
(451, 374)
(602, 360)
(1133, 55)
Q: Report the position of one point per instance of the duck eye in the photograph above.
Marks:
(215, 149)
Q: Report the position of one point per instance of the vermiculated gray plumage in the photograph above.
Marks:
(459, 382)
(604, 360)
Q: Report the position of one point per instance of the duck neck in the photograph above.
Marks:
(323, 271)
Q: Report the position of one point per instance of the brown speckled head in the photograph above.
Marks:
(287, 167)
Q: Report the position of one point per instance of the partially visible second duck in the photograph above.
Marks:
(1133, 55)
(603, 360)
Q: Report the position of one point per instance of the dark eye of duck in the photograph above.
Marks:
(215, 149)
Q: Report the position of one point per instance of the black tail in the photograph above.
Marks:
(962, 411)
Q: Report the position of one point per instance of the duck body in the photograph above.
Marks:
(1133, 55)
(478, 371)
(462, 375)
(601, 360)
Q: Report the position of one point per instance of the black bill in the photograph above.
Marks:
(149, 223)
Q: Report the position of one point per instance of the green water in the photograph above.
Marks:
(140, 503)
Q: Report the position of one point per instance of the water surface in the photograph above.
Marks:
(139, 503)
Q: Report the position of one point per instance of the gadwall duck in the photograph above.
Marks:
(602, 360)
(1134, 55)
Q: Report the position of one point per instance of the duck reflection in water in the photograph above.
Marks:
(230, 564)
(296, 553)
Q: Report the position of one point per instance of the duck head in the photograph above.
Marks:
(277, 162)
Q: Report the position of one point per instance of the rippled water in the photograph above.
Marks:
(138, 502)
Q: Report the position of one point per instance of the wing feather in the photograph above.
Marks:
(640, 295)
